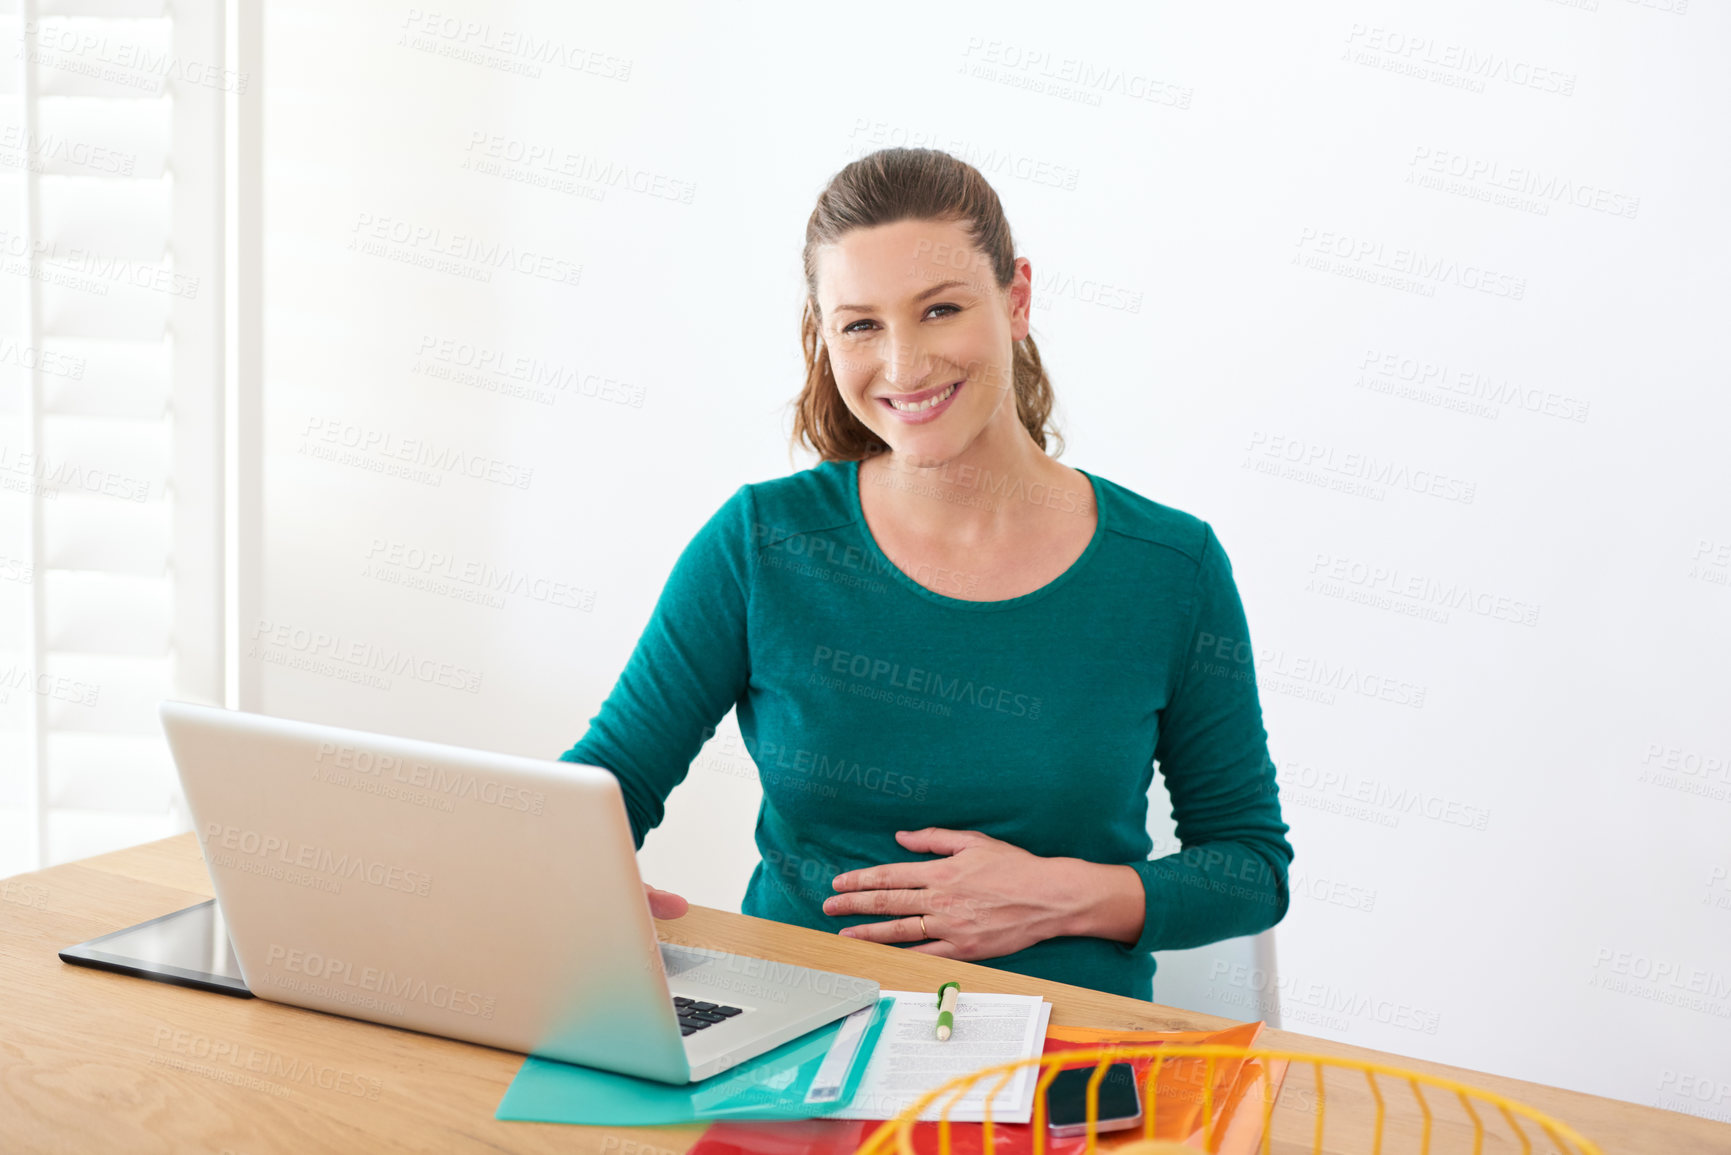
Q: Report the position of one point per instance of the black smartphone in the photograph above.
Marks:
(1120, 1106)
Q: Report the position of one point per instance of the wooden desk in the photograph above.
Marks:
(100, 1062)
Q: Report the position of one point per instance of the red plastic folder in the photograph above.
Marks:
(1239, 1090)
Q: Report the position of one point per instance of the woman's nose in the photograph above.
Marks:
(905, 363)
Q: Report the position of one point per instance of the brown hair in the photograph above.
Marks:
(896, 184)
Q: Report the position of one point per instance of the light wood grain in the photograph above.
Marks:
(99, 1062)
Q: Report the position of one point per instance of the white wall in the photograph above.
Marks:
(1463, 442)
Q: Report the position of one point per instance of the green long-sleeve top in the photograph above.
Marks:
(873, 704)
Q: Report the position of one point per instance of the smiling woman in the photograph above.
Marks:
(956, 661)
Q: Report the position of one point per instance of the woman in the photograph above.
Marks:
(953, 659)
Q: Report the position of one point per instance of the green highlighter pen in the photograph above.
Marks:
(947, 995)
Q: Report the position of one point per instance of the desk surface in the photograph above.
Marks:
(93, 1061)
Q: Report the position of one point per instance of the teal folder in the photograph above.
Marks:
(775, 1085)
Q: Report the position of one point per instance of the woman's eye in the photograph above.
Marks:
(851, 329)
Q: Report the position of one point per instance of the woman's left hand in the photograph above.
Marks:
(987, 898)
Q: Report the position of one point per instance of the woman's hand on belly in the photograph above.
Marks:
(987, 898)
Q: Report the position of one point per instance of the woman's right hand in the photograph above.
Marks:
(664, 903)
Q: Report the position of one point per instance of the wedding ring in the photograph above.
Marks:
(923, 933)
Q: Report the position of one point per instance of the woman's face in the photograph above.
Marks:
(920, 337)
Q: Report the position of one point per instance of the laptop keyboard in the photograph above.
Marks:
(695, 1015)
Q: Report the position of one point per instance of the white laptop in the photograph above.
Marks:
(477, 896)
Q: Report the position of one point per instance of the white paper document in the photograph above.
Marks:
(909, 1060)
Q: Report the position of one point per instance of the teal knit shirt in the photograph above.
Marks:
(872, 704)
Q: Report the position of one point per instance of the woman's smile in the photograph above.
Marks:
(918, 408)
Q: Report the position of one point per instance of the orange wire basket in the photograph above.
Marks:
(1194, 1111)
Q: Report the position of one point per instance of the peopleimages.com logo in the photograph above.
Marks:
(329, 970)
(916, 680)
(293, 853)
(443, 781)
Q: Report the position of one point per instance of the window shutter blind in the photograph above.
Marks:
(111, 309)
